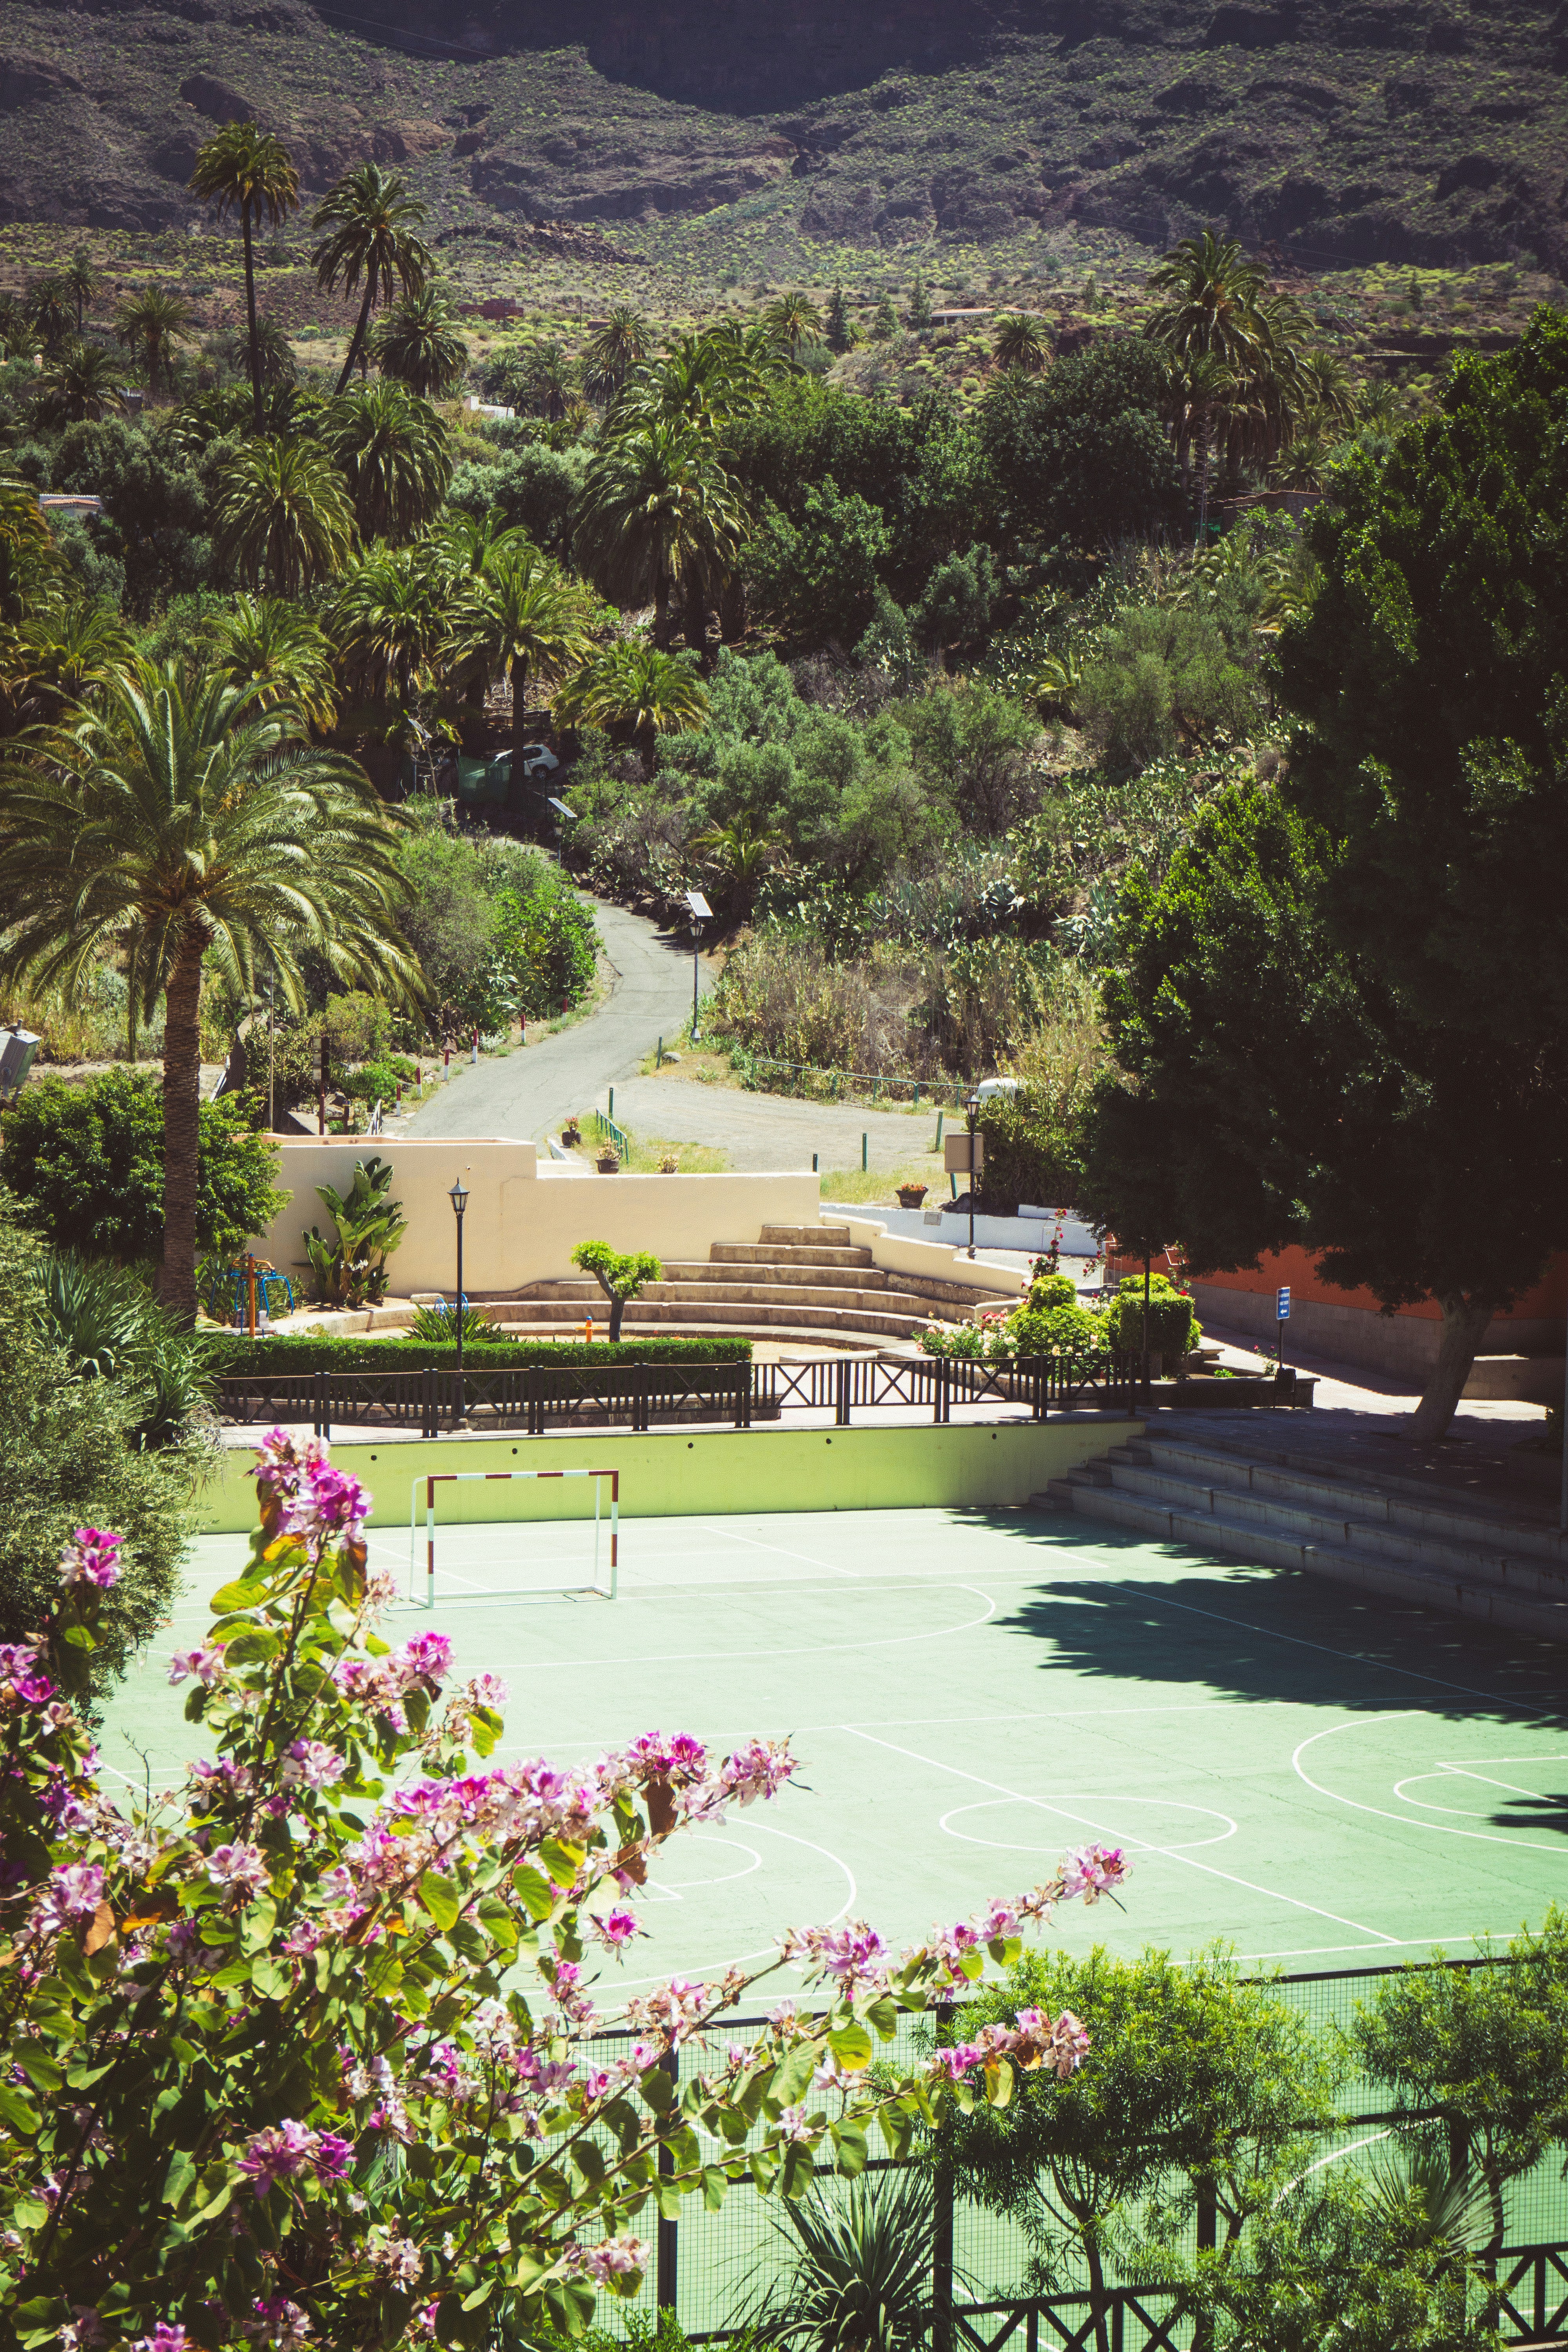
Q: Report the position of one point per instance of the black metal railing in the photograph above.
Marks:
(532, 1398)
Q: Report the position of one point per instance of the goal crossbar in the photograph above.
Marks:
(431, 1479)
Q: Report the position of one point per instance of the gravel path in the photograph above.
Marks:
(528, 1093)
(767, 1133)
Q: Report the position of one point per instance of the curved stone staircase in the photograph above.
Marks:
(807, 1283)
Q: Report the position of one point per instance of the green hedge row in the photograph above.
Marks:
(234, 1354)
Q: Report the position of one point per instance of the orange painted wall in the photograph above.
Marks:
(1547, 1301)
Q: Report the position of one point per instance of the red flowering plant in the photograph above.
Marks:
(302, 2052)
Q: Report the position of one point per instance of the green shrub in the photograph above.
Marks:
(88, 1163)
(1030, 1332)
(1173, 1326)
(1031, 1154)
(392, 1351)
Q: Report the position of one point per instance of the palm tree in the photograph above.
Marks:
(247, 171)
(1216, 333)
(78, 649)
(547, 385)
(703, 380)
(611, 352)
(78, 274)
(1020, 342)
(370, 220)
(390, 620)
(740, 854)
(148, 323)
(79, 384)
(184, 816)
(417, 341)
(53, 305)
(459, 549)
(1203, 388)
(274, 352)
(279, 655)
(392, 451)
(523, 615)
(792, 323)
(635, 689)
(18, 329)
(658, 512)
(285, 518)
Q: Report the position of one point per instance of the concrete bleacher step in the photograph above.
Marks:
(1445, 1551)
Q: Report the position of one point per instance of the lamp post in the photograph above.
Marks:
(972, 1105)
(699, 911)
(460, 1201)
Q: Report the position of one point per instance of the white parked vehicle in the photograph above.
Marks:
(538, 759)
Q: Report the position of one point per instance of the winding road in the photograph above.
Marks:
(526, 1094)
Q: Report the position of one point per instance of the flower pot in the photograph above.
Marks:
(912, 1195)
(607, 1164)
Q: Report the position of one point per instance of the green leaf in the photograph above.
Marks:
(37, 2065)
(795, 2176)
(562, 1862)
(793, 2075)
(657, 2090)
(884, 2015)
(714, 2187)
(230, 1597)
(441, 1899)
(270, 1979)
(849, 2139)
(852, 2046)
(17, 2111)
(249, 1649)
(533, 1892)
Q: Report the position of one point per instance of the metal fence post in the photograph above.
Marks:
(942, 2263)
(841, 1410)
(668, 2248)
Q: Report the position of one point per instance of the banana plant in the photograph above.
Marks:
(350, 1270)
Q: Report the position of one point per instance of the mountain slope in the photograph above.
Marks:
(1431, 132)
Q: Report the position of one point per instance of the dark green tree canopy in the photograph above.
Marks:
(1429, 679)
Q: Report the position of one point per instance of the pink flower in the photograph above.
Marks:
(958, 2060)
(332, 2157)
(242, 1870)
(69, 1895)
(166, 2336)
(312, 1763)
(615, 2258)
(206, 1663)
(794, 2124)
(281, 2152)
(1093, 1871)
(92, 1557)
(427, 1658)
(616, 1927)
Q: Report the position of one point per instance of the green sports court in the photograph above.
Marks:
(1321, 1780)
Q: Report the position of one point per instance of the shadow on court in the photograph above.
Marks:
(1262, 1634)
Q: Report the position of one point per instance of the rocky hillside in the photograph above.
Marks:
(1341, 131)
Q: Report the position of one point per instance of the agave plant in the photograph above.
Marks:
(438, 1324)
(105, 1321)
(350, 1270)
(859, 2278)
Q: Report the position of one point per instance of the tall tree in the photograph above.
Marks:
(249, 171)
(1019, 341)
(371, 223)
(284, 516)
(79, 275)
(611, 351)
(836, 333)
(52, 302)
(523, 617)
(79, 383)
(183, 813)
(1212, 324)
(793, 323)
(148, 323)
(391, 450)
(658, 513)
(389, 620)
(417, 341)
(275, 650)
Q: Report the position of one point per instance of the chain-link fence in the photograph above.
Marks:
(712, 2266)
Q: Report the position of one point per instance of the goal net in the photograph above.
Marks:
(464, 1557)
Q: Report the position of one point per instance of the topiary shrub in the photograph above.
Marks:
(1173, 1326)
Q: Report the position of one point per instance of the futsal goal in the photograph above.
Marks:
(514, 1558)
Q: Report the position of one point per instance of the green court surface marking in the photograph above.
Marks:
(1321, 1780)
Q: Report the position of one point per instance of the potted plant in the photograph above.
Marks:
(571, 1134)
(607, 1160)
(912, 1195)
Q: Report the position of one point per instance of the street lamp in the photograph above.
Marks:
(460, 1201)
(972, 1105)
(700, 912)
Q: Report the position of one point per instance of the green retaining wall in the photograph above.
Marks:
(665, 1473)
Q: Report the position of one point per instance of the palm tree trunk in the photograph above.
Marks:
(1203, 473)
(361, 324)
(176, 1285)
(250, 313)
(519, 718)
(661, 609)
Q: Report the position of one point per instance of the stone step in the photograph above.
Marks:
(786, 1254)
(737, 1314)
(1479, 1560)
(1416, 1506)
(807, 1236)
(1454, 1594)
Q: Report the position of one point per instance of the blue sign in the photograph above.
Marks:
(1284, 1309)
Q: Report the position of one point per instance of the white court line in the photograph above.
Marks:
(782, 1550)
(765, 1951)
(1273, 1894)
(1408, 1821)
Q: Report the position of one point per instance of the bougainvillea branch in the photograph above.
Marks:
(304, 2052)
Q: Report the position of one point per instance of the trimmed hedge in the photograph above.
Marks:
(393, 1351)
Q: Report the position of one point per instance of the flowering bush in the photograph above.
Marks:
(302, 2052)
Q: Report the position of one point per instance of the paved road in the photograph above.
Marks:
(526, 1094)
(769, 1132)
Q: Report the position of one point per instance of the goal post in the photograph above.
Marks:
(426, 1485)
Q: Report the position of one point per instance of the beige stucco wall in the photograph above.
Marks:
(524, 1218)
(936, 1260)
